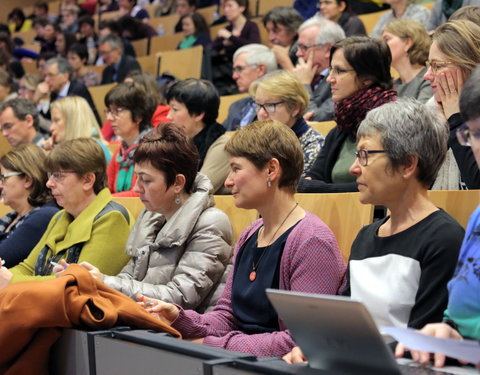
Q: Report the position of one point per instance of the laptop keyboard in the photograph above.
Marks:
(418, 370)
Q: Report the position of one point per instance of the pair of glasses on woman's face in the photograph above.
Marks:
(115, 112)
(362, 155)
(438, 65)
(267, 107)
(4, 177)
(468, 137)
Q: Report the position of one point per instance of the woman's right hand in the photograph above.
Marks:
(441, 330)
(164, 311)
(295, 356)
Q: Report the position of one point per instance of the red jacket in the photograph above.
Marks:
(33, 313)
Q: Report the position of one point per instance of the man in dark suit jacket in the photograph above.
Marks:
(118, 64)
(316, 36)
(250, 62)
(58, 84)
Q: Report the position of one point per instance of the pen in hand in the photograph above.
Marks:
(57, 265)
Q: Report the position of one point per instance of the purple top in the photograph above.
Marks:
(311, 263)
(250, 34)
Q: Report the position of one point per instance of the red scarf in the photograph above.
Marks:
(350, 112)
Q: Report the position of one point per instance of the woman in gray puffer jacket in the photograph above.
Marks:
(180, 244)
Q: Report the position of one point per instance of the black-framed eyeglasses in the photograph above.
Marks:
(468, 136)
(115, 112)
(362, 155)
(267, 107)
(3, 177)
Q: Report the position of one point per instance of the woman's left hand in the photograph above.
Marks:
(450, 87)
(94, 271)
(5, 276)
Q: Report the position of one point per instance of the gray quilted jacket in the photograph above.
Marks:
(182, 260)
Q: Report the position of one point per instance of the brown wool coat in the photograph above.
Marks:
(73, 300)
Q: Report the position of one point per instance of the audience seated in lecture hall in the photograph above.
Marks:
(266, 162)
(462, 316)
(180, 244)
(360, 81)
(89, 228)
(23, 178)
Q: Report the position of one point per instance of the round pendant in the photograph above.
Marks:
(253, 276)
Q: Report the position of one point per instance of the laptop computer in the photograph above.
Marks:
(338, 334)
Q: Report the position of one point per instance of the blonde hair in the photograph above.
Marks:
(262, 141)
(78, 118)
(459, 41)
(284, 85)
(410, 29)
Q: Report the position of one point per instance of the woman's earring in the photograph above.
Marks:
(177, 199)
(269, 182)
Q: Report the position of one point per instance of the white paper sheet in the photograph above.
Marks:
(467, 350)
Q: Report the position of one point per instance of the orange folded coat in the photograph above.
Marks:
(33, 313)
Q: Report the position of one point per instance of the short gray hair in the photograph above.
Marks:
(470, 98)
(112, 39)
(62, 65)
(258, 54)
(329, 32)
(21, 108)
(405, 127)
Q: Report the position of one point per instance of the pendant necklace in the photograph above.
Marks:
(253, 273)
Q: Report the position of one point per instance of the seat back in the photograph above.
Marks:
(323, 127)
(225, 103)
(182, 64)
(459, 204)
(98, 95)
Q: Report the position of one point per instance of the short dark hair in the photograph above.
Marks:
(470, 97)
(86, 19)
(7, 40)
(41, 4)
(17, 13)
(198, 95)
(79, 49)
(171, 152)
(6, 80)
(369, 57)
(21, 108)
(286, 16)
(81, 155)
(132, 96)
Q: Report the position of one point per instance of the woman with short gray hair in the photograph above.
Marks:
(399, 266)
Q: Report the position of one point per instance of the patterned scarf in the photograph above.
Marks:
(350, 112)
(125, 159)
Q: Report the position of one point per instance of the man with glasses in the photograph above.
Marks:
(250, 62)
(110, 48)
(19, 123)
(58, 85)
(316, 37)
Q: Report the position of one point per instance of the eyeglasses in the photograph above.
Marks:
(362, 155)
(103, 53)
(59, 175)
(51, 75)
(114, 112)
(3, 177)
(240, 68)
(436, 65)
(334, 71)
(467, 136)
(267, 107)
(305, 47)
